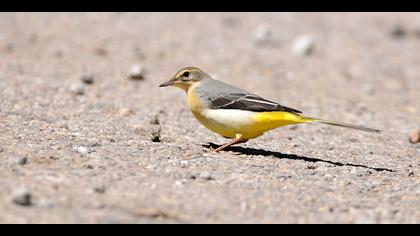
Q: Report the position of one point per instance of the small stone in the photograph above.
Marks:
(304, 45)
(45, 203)
(139, 53)
(83, 150)
(184, 163)
(77, 89)
(293, 127)
(397, 31)
(1, 149)
(58, 53)
(192, 177)
(21, 160)
(244, 206)
(100, 189)
(263, 35)
(155, 120)
(155, 134)
(415, 136)
(136, 72)
(180, 183)
(125, 111)
(150, 212)
(230, 22)
(410, 109)
(87, 79)
(9, 48)
(101, 52)
(206, 175)
(311, 167)
(22, 197)
(367, 88)
(90, 167)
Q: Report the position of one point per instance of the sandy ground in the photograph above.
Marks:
(90, 158)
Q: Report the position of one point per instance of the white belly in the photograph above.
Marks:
(230, 118)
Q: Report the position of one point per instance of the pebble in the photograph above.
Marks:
(136, 72)
(45, 203)
(125, 111)
(415, 136)
(304, 45)
(1, 149)
(77, 89)
(21, 160)
(150, 212)
(205, 175)
(263, 35)
(83, 150)
(101, 52)
(155, 120)
(410, 109)
(139, 53)
(87, 79)
(9, 48)
(155, 134)
(397, 31)
(179, 183)
(100, 189)
(22, 197)
(184, 163)
(367, 88)
(311, 167)
(230, 22)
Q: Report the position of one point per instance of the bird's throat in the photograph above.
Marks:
(194, 102)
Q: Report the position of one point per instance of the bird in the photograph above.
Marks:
(234, 113)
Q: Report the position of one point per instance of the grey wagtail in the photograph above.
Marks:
(235, 113)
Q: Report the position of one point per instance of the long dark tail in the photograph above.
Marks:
(328, 122)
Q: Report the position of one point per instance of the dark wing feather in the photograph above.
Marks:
(248, 102)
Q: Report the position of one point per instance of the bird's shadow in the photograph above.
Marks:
(262, 152)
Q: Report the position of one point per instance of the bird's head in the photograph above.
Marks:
(185, 78)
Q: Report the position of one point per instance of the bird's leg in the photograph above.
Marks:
(236, 140)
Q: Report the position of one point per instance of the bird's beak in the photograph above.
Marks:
(169, 83)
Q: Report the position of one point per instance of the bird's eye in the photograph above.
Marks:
(186, 74)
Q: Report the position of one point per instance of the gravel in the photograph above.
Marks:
(125, 111)
(77, 89)
(415, 136)
(304, 45)
(206, 175)
(155, 120)
(309, 173)
(45, 203)
(263, 35)
(398, 31)
(100, 189)
(21, 160)
(87, 79)
(22, 197)
(136, 72)
(83, 150)
(155, 134)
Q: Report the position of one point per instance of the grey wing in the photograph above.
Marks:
(248, 102)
